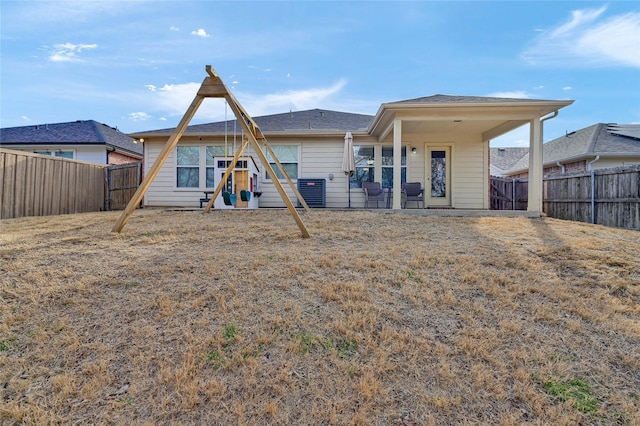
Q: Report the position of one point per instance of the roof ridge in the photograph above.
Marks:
(101, 137)
(594, 138)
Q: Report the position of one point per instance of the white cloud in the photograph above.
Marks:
(515, 94)
(200, 33)
(67, 52)
(567, 88)
(589, 38)
(139, 116)
(172, 28)
(151, 87)
(294, 99)
(174, 100)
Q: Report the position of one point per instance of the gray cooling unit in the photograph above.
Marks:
(314, 192)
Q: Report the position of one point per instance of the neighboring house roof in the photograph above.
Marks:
(313, 119)
(598, 139)
(503, 159)
(81, 132)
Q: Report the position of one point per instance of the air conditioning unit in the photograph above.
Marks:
(314, 192)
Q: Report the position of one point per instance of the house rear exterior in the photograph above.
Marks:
(440, 141)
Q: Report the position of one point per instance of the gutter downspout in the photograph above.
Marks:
(562, 167)
(109, 151)
(589, 168)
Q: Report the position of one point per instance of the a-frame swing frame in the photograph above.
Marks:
(213, 87)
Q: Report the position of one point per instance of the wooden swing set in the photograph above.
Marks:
(213, 87)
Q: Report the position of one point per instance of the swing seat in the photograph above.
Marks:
(233, 198)
(229, 198)
(245, 195)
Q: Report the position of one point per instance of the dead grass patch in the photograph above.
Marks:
(233, 318)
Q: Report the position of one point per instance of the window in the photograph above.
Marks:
(188, 167)
(196, 165)
(365, 165)
(210, 152)
(364, 160)
(59, 153)
(288, 157)
(387, 166)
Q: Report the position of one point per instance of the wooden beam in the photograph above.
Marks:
(157, 165)
(212, 88)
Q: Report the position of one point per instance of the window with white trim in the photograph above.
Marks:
(288, 158)
(188, 166)
(365, 170)
(365, 165)
(387, 166)
(61, 154)
(195, 165)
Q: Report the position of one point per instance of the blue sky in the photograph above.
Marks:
(136, 65)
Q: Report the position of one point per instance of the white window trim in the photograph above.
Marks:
(267, 180)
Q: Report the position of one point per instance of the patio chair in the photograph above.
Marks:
(372, 192)
(413, 192)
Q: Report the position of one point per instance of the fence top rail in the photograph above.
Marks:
(48, 157)
(599, 172)
(124, 166)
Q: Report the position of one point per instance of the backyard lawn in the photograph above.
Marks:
(232, 318)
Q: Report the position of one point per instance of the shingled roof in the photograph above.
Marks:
(503, 159)
(455, 99)
(313, 119)
(84, 132)
(600, 138)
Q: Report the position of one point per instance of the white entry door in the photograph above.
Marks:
(438, 170)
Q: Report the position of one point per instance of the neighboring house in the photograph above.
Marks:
(440, 141)
(599, 146)
(85, 140)
(501, 160)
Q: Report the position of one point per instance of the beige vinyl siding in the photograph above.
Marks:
(606, 163)
(162, 191)
(320, 157)
(469, 172)
(317, 160)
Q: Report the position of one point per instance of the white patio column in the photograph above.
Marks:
(397, 164)
(535, 166)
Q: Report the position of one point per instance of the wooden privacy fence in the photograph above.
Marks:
(508, 194)
(37, 185)
(122, 181)
(609, 197)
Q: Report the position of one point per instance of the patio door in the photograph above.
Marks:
(438, 171)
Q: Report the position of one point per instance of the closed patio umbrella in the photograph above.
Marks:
(348, 161)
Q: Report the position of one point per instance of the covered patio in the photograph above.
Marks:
(446, 139)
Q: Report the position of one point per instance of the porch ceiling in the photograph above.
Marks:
(459, 126)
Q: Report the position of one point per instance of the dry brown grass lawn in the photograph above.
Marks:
(232, 318)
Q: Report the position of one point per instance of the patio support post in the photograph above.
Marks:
(397, 164)
(534, 203)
